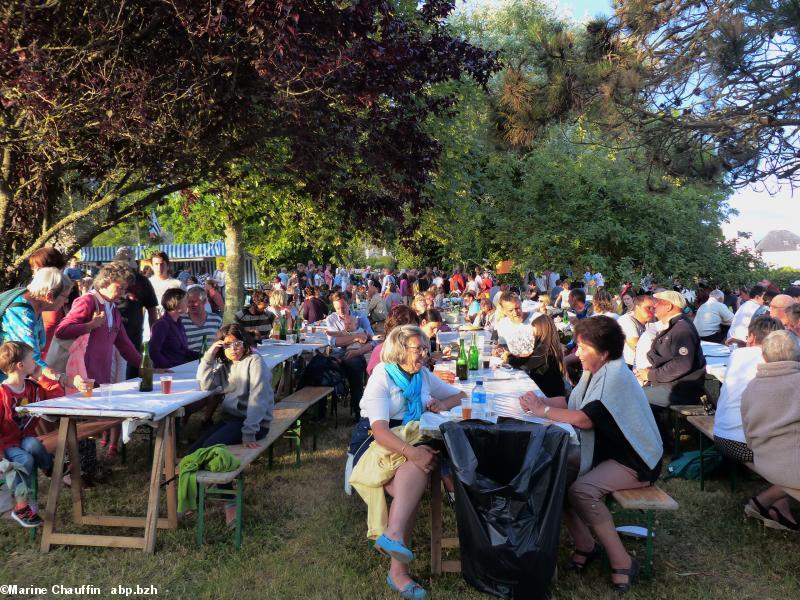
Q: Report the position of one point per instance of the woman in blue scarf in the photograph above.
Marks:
(399, 390)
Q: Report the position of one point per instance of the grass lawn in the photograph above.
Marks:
(304, 538)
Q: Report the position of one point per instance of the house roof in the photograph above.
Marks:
(779, 240)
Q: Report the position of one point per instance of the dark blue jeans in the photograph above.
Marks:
(32, 455)
(224, 432)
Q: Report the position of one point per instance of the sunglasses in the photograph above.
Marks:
(233, 345)
(418, 349)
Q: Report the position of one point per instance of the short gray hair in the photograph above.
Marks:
(48, 280)
(717, 295)
(779, 346)
(114, 272)
(196, 289)
(394, 348)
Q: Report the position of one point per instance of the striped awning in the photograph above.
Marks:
(174, 251)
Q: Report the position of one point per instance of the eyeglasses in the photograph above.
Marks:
(233, 345)
(418, 349)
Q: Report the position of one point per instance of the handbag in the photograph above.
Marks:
(58, 353)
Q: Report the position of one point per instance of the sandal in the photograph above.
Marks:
(633, 574)
(412, 589)
(778, 521)
(760, 513)
(593, 554)
(394, 548)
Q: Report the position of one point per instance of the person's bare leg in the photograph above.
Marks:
(774, 495)
(406, 489)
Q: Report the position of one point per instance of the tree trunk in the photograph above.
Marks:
(234, 268)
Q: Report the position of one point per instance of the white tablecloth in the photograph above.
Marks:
(504, 387)
(717, 358)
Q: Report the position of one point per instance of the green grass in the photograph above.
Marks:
(304, 538)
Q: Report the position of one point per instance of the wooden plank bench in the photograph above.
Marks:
(285, 422)
(705, 425)
(647, 500)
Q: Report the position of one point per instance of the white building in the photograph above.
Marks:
(780, 248)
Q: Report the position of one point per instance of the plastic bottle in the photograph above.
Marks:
(479, 401)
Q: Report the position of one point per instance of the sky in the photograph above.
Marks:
(760, 209)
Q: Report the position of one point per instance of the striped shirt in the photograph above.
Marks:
(195, 333)
(261, 323)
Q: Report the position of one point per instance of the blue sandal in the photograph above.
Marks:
(412, 590)
(393, 548)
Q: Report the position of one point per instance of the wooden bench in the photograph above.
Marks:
(705, 425)
(647, 500)
(285, 422)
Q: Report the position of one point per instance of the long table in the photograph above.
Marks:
(125, 401)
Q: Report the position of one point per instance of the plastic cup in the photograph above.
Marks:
(88, 390)
(166, 384)
(290, 338)
(106, 390)
(466, 408)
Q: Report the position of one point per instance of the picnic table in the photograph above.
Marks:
(505, 387)
(718, 356)
(124, 401)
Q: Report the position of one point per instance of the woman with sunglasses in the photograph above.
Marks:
(399, 390)
(246, 382)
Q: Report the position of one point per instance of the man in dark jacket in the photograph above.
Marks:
(678, 367)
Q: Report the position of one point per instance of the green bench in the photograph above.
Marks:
(286, 422)
(705, 426)
(647, 500)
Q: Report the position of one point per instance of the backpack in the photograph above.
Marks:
(323, 371)
(687, 465)
(8, 299)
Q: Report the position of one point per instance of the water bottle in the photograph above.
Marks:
(479, 401)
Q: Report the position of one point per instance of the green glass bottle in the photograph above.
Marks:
(146, 370)
(204, 347)
(462, 367)
(283, 328)
(474, 354)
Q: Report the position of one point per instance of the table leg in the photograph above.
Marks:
(76, 486)
(436, 521)
(169, 473)
(55, 484)
(151, 522)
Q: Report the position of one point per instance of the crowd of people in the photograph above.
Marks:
(607, 362)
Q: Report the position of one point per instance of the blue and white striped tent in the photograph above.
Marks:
(177, 253)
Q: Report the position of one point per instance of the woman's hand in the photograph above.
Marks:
(435, 406)
(423, 457)
(98, 318)
(531, 403)
(250, 444)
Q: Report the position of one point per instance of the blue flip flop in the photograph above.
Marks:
(395, 549)
(412, 590)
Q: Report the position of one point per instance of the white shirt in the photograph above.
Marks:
(478, 282)
(741, 320)
(645, 343)
(472, 287)
(632, 329)
(517, 336)
(162, 285)
(710, 317)
(383, 400)
(553, 278)
(741, 371)
(609, 314)
(438, 281)
(219, 276)
(564, 294)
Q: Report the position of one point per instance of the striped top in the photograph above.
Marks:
(261, 323)
(195, 333)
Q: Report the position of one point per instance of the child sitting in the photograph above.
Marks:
(17, 442)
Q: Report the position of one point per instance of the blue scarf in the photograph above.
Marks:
(411, 388)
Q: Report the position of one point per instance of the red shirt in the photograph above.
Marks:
(13, 425)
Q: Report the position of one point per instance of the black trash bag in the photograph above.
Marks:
(326, 372)
(510, 481)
